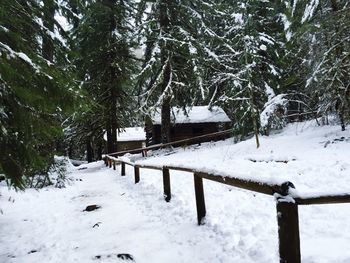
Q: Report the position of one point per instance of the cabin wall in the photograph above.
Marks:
(129, 145)
(187, 130)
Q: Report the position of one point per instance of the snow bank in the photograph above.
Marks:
(314, 159)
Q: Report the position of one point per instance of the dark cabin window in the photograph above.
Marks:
(196, 131)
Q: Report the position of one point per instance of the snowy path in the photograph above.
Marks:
(49, 225)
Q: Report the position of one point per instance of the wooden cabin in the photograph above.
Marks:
(198, 120)
(130, 138)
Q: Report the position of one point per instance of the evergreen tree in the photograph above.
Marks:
(105, 61)
(33, 88)
(328, 82)
(171, 74)
(245, 52)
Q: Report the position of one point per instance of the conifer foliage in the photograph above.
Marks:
(171, 73)
(33, 88)
(105, 63)
(247, 40)
(328, 80)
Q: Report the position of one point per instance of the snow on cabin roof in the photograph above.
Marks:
(130, 134)
(196, 114)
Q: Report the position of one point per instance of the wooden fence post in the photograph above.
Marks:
(113, 165)
(110, 163)
(200, 202)
(123, 169)
(166, 184)
(137, 174)
(288, 228)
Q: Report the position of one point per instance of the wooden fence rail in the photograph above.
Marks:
(286, 205)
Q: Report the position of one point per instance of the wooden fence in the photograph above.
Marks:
(286, 206)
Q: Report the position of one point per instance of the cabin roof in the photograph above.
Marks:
(196, 114)
(130, 134)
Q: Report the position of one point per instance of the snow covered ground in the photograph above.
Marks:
(50, 225)
(315, 159)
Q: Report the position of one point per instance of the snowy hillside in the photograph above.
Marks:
(309, 156)
(50, 225)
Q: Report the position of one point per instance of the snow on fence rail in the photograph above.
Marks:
(286, 204)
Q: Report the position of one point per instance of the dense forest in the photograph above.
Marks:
(71, 70)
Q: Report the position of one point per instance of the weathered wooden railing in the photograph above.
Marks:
(286, 204)
(197, 139)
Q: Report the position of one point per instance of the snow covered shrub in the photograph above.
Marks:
(56, 176)
(38, 181)
(273, 115)
(58, 172)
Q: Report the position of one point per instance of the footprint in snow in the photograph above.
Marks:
(97, 224)
(125, 257)
(122, 256)
(90, 208)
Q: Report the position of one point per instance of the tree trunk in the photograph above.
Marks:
(89, 151)
(255, 116)
(70, 149)
(109, 135)
(48, 53)
(165, 60)
(113, 117)
(49, 18)
(99, 151)
(341, 117)
(112, 86)
(149, 131)
(166, 125)
(112, 123)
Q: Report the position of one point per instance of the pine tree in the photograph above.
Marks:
(32, 85)
(104, 46)
(171, 74)
(328, 81)
(245, 51)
